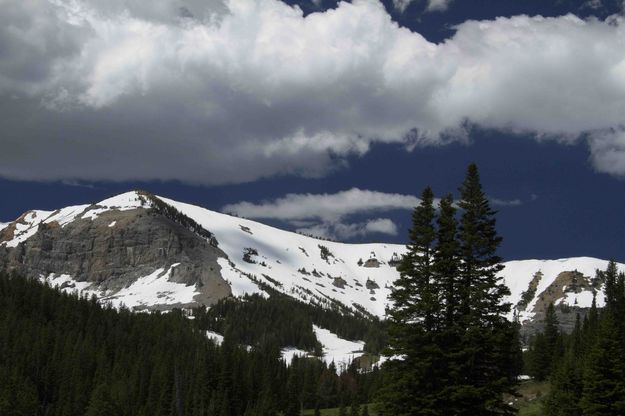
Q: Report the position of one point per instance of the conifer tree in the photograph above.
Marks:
(412, 320)
(342, 409)
(566, 388)
(446, 320)
(545, 346)
(487, 340)
(447, 261)
(604, 374)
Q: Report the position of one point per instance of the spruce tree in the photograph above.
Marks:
(604, 371)
(566, 388)
(604, 374)
(459, 354)
(342, 409)
(488, 336)
(449, 334)
(412, 319)
(545, 346)
(447, 260)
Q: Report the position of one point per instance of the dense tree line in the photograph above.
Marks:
(456, 352)
(64, 355)
(168, 211)
(586, 368)
(280, 320)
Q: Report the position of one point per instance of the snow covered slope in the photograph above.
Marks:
(26, 225)
(356, 275)
(551, 283)
(293, 264)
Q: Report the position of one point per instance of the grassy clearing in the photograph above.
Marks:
(335, 412)
(529, 402)
(532, 394)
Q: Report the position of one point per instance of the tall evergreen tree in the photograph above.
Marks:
(566, 388)
(412, 320)
(447, 315)
(545, 348)
(447, 260)
(604, 373)
(488, 337)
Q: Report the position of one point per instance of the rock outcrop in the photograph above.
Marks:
(114, 249)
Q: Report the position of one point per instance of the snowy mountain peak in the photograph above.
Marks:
(252, 256)
(27, 224)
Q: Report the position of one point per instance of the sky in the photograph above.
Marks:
(324, 117)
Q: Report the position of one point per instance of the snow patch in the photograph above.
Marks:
(240, 284)
(154, 289)
(112, 224)
(123, 202)
(215, 337)
(289, 353)
(338, 350)
(67, 284)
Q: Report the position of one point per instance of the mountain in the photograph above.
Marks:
(150, 252)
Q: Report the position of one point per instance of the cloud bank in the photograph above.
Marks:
(326, 207)
(213, 93)
(341, 231)
(432, 5)
(327, 215)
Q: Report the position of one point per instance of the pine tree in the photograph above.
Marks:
(604, 374)
(459, 352)
(566, 389)
(545, 347)
(610, 277)
(487, 340)
(450, 331)
(447, 261)
(342, 409)
(101, 403)
(354, 409)
(604, 371)
(412, 320)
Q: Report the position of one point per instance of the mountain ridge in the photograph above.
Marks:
(249, 255)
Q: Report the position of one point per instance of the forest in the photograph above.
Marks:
(65, 355)
(586, 368)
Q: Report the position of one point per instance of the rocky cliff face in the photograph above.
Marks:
(114, 249)
(567, 292)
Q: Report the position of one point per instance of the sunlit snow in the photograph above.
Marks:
(30, 223)
(154, 289)
(338, 350)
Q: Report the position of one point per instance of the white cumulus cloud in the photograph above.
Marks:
(438, 5)
(327, 215)
(346, 231)
(226, 92)
(325, 207)
(608, 151)
(505, 202)
(432, 5)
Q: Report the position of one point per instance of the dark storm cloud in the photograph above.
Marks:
(230, 92)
